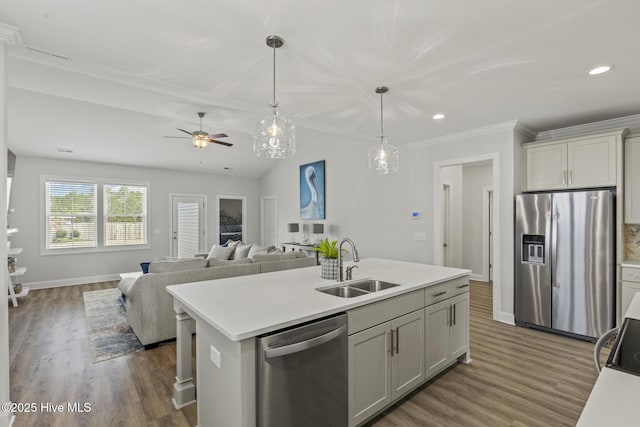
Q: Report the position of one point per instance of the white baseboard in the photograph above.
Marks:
(72, 281)
(508, 318)
(478, 277)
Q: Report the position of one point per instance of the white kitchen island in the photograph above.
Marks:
(230, 313)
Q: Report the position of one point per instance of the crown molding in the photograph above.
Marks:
(485, 130)
(10, 35)
(631, 122)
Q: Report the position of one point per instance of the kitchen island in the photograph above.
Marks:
(230, 313)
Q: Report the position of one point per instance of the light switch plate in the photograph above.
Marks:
(215, 356)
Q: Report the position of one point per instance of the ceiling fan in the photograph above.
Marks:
(201, 139)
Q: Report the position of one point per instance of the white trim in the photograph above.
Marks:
(437, 220)
(262, 200)
(471, 133)
(477, 277)
(10, 35)
(245, 236)
(485, 235)
(58, 283)
(632, 122)
(508, 318)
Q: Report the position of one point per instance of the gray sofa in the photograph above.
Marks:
(150, 307)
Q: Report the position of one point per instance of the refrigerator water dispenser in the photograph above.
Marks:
(533, 248)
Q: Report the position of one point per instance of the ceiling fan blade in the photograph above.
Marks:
(221, 142)
(182, 130)
(185, 137)
(219, 135)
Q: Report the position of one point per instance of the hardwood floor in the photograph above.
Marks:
(518, 377)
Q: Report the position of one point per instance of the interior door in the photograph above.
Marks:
(187, 226)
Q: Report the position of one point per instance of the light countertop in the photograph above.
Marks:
(630, 263)
(247, 306)
(614, 398)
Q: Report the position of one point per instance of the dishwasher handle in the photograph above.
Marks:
(271, 353)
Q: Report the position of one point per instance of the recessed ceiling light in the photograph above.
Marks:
(600, 70)
(438, 116)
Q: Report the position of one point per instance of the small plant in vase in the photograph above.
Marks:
(328, 258)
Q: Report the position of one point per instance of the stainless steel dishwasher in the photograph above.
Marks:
(302, 375)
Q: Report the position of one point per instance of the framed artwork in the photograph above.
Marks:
(312, 190)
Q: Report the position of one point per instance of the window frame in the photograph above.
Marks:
(144, 215)
(100, 215)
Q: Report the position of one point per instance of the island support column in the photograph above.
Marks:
(184, 391)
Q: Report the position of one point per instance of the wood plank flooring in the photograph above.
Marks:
(518, 377)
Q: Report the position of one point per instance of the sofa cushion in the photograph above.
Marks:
(212, 262)
(126, 284)
(242, 250)
(220, 252)
(176, 265)
(278, 256)
(257, 249)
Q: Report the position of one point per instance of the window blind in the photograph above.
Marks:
(125, 216)
(71, 214)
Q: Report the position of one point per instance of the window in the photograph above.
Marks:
(125, 217)
(89, 215)
(71, 215)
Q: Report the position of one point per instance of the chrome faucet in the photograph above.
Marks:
(355, 257)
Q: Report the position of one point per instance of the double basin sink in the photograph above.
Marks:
(359, 288)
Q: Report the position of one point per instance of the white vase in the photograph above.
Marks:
(329, 268)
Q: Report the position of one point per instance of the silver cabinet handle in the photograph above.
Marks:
(463, 286)
(449, 312)
(304, 345)
(397, 340)
(391, 344)
(454, 315)
(439, 294)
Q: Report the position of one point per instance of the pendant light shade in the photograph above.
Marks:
(274, 137)
(383, 157)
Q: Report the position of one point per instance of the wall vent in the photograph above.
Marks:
(64, 150)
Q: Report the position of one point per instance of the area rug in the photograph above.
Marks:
(110, 335)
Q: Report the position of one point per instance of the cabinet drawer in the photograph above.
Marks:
(370, 315)
(446, 290)
(631, 274)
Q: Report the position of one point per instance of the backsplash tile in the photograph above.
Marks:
(632, 242)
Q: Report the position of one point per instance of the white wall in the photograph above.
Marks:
(51, 270)
(475, 179)
(375, 211)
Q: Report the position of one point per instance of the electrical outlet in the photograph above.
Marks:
(215, 356)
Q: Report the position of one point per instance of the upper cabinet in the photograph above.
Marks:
(632, 180)
(585, 162)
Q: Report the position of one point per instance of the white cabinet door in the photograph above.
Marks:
(546, 167)
(407, 362)
(437, 337)
(369, 372)
(592, 162)
(632, 181)
(459, 332)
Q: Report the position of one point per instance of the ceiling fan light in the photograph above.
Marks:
(274, 137)
(200, 142)
(384, 158)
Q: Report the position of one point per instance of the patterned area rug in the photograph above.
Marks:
(109, 333)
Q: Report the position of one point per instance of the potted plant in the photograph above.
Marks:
(328, 258)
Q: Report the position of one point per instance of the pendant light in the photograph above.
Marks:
(274, 137)
(383, 157)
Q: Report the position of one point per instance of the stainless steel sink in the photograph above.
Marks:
(357, 289)
(344, 292)
(372, 285)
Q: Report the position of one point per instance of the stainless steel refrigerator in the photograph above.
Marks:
(565, 262)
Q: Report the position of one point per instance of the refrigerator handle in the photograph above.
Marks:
(554, 248)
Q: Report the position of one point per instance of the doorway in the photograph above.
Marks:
(187, 225)
(232, 214)
(478, 237)
(268, 221)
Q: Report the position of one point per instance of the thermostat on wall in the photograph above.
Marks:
(416, 214)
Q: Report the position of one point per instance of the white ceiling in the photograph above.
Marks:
(137, 70)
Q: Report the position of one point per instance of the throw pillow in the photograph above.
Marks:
(242, 250)
(257, 249)
(232, 244)
(219, 252)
